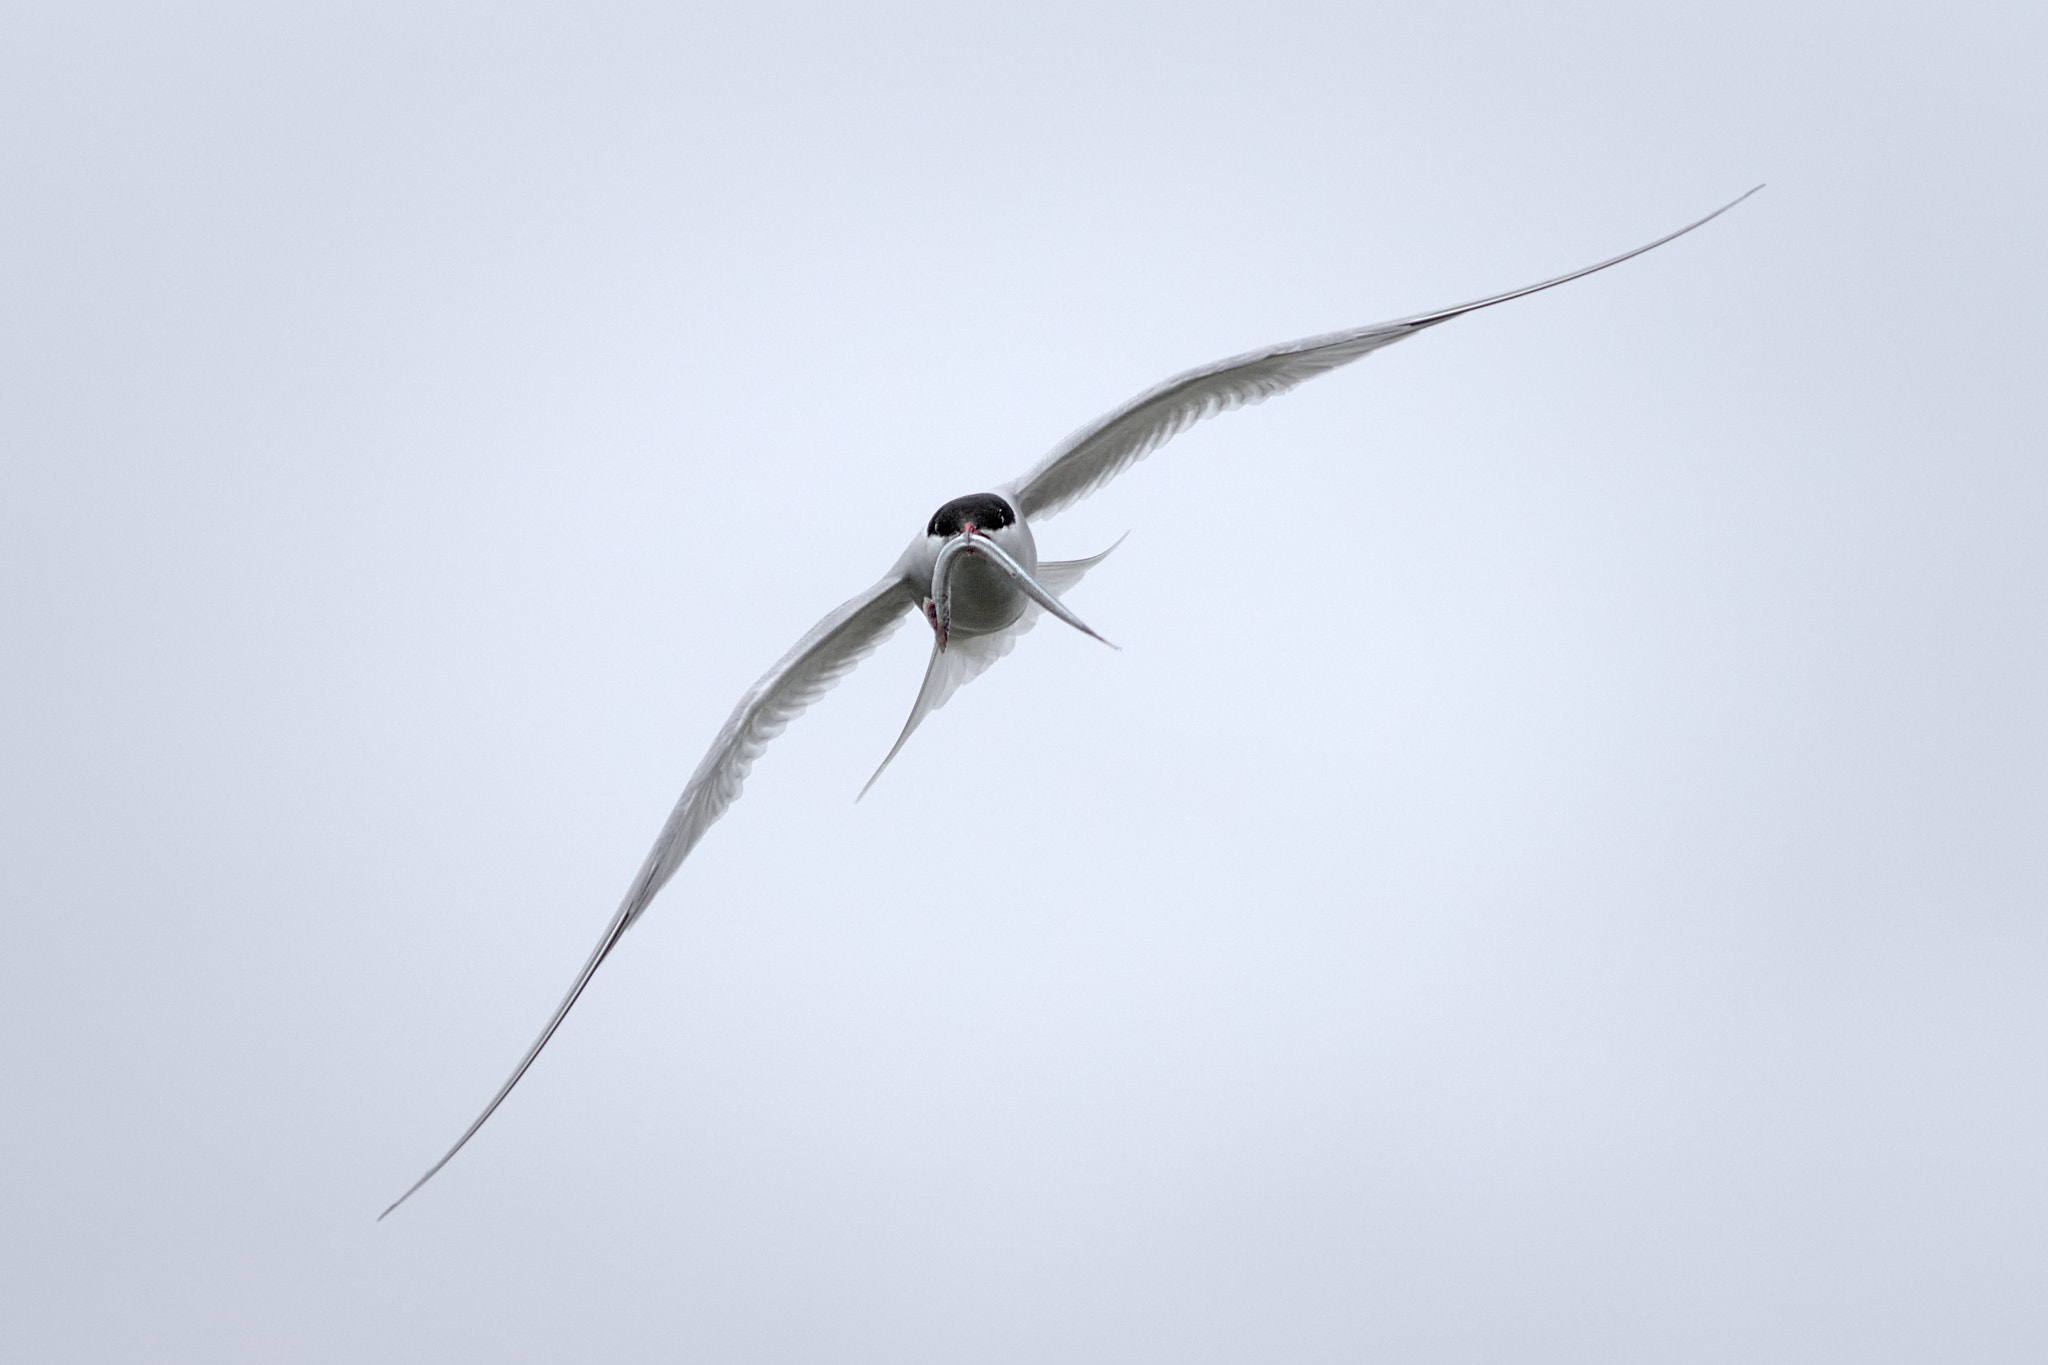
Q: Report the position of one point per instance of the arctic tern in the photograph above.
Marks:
(975, 574)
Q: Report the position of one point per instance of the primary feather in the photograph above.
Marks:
(800, 677)
(1098, 452)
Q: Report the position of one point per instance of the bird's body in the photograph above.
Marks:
(974, 571)
(985, 599)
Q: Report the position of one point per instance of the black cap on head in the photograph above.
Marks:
(984, 511)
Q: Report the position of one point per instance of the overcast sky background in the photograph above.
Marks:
(1557, 872)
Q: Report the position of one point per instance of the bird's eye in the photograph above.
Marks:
(983, 511)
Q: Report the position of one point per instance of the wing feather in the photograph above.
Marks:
(818, 661)
(1098, 452)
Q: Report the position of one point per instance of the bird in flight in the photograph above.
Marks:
(975, 574)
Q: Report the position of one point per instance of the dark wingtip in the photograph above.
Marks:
(393, 1205)
(1441, 315)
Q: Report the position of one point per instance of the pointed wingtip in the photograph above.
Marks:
(435, 1169)
(393, 1205)
(1723, 209)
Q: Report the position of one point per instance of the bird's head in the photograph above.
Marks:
(958, 567)
(983, 512)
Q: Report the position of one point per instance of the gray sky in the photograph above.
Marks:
(1556, 872)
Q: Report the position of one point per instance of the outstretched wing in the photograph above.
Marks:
(1105, 448)
(806, 673)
